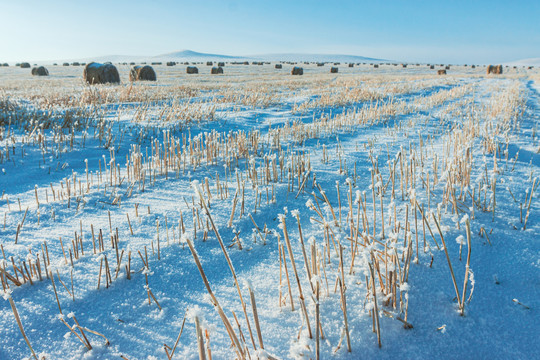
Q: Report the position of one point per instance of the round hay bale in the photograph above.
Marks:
(320, 64)
(404, 65)
(209, 63)
(432, 67)
(25, 65)
(473, 66)
(96, 73)
(447, 67)
(246, 62)
(76, 64)
(333, 70)
(192, 70)
(376, 66)
(171, 63)
(142, 73)
(156, 63)
(65, 64)
(40, 71)
(494, 69)
(6, 64)
(297, 71)
(351, 65)
(216, 70)
(441, 72)
(222, 64)
(278, 66)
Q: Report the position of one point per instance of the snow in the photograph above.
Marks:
(501, 320)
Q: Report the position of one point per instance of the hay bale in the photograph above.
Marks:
(209, 63)
(404, 65)
(441, 72)
(333, 70)
(25, 65)
(156, 63)
(320, 64)
(297, 71)
(447, 67)
(76, 63)
(5, 64)
(96, 73)
(221, 64)
(216, 70)
(246, 62)
(142, 73)
(40, 71)
(192, 70)
(432, 67)
(351, 65)
(495, 69)
(278, 66)
(376, 66)
(171, 63)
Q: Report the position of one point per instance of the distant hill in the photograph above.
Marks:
(525, 62)
(317, 58)
(190, 55)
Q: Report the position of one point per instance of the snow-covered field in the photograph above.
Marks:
(372, 213)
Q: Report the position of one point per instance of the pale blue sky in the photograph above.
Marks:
(408, 30)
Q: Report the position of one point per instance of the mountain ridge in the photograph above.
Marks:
(190, 55)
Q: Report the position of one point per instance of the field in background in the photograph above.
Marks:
(386, 212)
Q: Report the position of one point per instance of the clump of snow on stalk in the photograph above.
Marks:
(6, 294)
(464, 219)
(261, 354)
(460, 240)
(247, 284)
(295, 213)
(404, 287)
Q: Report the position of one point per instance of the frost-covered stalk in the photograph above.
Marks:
(203, 202)
(297, 215)
(375, 306)
(215, 302)
(18, 319)
(467, 267)
(55, 293)
(291, 256)
(448, 259)
(343, 299)
(529, 206)
(200, 340)
(255, 315)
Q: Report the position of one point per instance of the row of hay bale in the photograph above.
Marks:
(96, 73)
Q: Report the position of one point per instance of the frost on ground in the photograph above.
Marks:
(258, 215)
